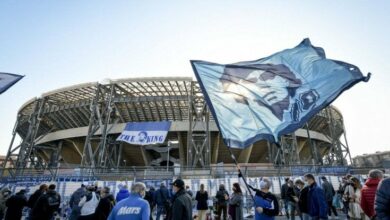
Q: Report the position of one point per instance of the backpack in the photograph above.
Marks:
(53, 200)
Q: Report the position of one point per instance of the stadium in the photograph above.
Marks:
(77, 127)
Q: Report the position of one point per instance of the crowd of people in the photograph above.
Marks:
(302, 198)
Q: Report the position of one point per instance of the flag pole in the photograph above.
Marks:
(240, 173)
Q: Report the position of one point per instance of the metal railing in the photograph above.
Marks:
(210, 172)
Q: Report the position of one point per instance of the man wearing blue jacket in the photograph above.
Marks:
(318, 209)
(134, 207)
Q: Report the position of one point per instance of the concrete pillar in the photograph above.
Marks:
(181, 150)
(245, 155)
(215, 149)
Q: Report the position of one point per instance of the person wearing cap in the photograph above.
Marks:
(134, 207)
(15, 205)
(181, 202)
(266, 203)
(329, 193)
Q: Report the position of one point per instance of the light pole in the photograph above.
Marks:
(169, 147)
(124, 161)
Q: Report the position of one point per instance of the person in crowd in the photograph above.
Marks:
(292, 199)
(75, 200)
(162, 199)
(302, 194)
(149, 196)
(222, 197)
(266, 204)
(15, 205)
(35, 196)
(133, 207)
(181, 202)
(47, 205)
(122, 194)
(329, 194)
(368, 192)
(355, 211)
(236, 203)
(345, 188)
(283, 195)
(189, 191)
(316, 199)
(5, 194)
(382, 200)
(105, 205)
(201, 198)
(88, 204)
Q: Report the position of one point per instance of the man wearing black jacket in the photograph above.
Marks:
(284, 196)
(106, 203)
(181, 204)
(266, 203)
(15, 205)
(46, 205)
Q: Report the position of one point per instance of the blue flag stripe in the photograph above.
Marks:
(7, 80)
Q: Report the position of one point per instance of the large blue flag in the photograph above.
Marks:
(272, 96)
(7, 80)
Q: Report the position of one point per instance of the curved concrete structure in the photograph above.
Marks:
(78, 125)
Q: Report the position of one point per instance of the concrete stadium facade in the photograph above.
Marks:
(77, 126)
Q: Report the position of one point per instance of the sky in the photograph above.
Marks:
(62, 43)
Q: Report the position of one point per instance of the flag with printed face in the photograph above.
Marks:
(145, 133)
(7, 80)
(272, 96)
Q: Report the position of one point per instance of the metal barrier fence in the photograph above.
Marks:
(211, 172)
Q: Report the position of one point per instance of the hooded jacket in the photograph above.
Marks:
(122, 194)
(368, 196)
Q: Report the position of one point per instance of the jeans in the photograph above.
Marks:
(285, 204)
(291, 210)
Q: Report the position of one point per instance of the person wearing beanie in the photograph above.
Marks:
(181, 202)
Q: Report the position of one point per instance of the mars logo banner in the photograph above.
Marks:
(145, 133)
(272, 96)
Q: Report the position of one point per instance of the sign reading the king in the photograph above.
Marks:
(145, 133)
(272, 96)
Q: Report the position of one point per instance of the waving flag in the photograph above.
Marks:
(272, 96)
(7, 80)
